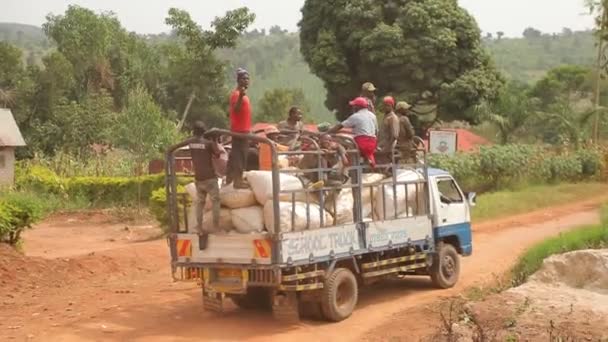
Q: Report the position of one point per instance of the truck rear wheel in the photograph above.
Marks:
(445, 270)
(340, 295)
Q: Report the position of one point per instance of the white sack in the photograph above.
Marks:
(300, 223)
(261, 184)
(225, 221)
(343, 208)
(369, 181)
(248, 220)
(389, 196)
(237, 198)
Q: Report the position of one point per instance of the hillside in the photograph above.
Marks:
(275, 61)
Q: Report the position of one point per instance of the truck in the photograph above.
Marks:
(318, 272)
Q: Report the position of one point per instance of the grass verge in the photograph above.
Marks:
(506, 203)
(588, 237)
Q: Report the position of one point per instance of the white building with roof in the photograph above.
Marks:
(10, 138)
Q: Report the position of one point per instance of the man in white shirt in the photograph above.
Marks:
(364, 127)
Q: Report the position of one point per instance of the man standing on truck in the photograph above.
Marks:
(240, 122)
(293, 124)
(390, 127)
(405, 143)
(206, 180)
(364, 127)
(368, 91)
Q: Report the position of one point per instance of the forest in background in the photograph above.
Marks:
(274, 59)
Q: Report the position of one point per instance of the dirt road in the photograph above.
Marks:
(74, 287)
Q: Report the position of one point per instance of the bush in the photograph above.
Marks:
(19, 211)
(95, 191)
(498, 167)
(565, 168)
(158, 206)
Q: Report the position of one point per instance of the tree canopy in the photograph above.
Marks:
(421, 50)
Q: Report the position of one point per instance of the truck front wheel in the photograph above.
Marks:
(446, 266)
(340, 295)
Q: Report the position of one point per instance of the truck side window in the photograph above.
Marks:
(448, 191)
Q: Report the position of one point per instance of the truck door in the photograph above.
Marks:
(452, 215)
(450, 204)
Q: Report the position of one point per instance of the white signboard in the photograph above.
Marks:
(443, 142)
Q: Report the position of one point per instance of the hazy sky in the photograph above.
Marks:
(510, 16)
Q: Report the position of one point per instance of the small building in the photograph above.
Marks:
(10, 138)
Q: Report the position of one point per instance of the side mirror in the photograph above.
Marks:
(471, 198)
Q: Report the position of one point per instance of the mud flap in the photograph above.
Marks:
(285, 307)
(187, 274)
(213, 301)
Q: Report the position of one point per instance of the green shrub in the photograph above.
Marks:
(158, 205)
(37, 178)
(464, 167)
(505, 166)
(114, 191)
(591, 161)
(19, 211)
(94, 191)
(565, 168)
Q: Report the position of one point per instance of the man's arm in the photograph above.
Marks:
(172, 148)
(335, 129)
(408, 127)
(239, 101)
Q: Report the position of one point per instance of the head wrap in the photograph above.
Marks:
(240, 72)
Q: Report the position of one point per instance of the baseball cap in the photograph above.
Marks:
(369, 86)
(359, 102)
(403, 105)
(389, 100)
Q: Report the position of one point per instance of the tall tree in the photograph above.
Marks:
(85, 39)
(599, 8)
(510, 112)
(419, 50)
(202, 74)
(11, 68)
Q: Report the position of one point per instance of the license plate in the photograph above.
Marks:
(229, 273)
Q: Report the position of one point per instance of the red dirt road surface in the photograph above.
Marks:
(88, 279)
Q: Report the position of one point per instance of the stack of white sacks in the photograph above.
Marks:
(249, 211)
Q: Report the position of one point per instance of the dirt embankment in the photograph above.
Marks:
(90, 279)
(566, 300)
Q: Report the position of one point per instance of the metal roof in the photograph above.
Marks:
(9, 132)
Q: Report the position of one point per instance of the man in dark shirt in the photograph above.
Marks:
(202, 151)
(405, 143)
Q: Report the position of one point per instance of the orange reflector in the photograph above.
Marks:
(262, 249)
(184, 248)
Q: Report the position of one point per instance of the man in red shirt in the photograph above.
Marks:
(240, 122)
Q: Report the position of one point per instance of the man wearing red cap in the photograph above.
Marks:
(364, 126)
(390, 127)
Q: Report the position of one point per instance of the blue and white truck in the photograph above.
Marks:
(319, 271)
